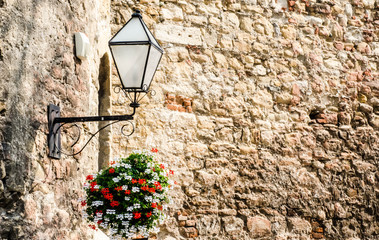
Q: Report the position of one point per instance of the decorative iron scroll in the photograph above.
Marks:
(55, 123)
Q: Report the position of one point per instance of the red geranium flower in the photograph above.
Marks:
(89, 177)
(93, 190)
(108, 196)
(161, 166)
(93, 184)
(142, 181)
(160, 207)
(115, 203)
(92, 226)
(159, 187)
(105, 190)
(145, 188)
(152, 190)
(171, 172)
(83, 203)
(148, 214)
(134, 180)
(127, 191)
(153, 205)
(111, 170)
(137, 215)
(154, 150)
(118, 188)
(100, 221)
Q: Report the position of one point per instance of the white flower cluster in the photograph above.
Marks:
(127, 198)
(135, 189)
(125, 187)
(128, 216)
(136, 205)
(116, 179)
(148, 198)
(97, 203)
(126, 176)
(111, 211)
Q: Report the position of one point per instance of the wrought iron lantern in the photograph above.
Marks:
(136, 54)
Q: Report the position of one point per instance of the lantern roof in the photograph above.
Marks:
(135, 32)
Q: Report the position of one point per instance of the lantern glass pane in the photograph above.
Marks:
(152, 38)
(154, 58)
(131, 32)
(130, 61)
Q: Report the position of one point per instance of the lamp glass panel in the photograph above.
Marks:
(152, 64)
(131, 32)
(152, 38)
(130, 61)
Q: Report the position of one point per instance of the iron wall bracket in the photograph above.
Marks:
(55, 122)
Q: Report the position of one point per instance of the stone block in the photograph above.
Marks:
(259, 227)
(233, 225)
(178, 34)
(299, 225)
(172, 13)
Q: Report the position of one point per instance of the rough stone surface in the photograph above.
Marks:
(281, 139)
(267, 111)
(38, 195)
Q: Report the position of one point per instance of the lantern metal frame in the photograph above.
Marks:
(135, 95)
(143, 87)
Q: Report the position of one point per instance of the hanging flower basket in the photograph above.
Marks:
(128, 198)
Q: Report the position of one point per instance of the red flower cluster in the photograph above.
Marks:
(141, 181)
(127, 192)
(145, 188)
(111, 170)
(115, 203)
(137, 215)
(148, 214)
(158, 185)
(134, 181)
(106, 194)
(161, 166)
(92, 226)
(154, 150)
(153, 205)
(104, 191)
(152, 190)
(93, 184)
(89, 177)
(118, 188)
(160, 207)
(83, 203)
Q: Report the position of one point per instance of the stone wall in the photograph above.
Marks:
(39, 195)
(268, 111)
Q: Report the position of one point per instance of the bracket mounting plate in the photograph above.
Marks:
(54, 136)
